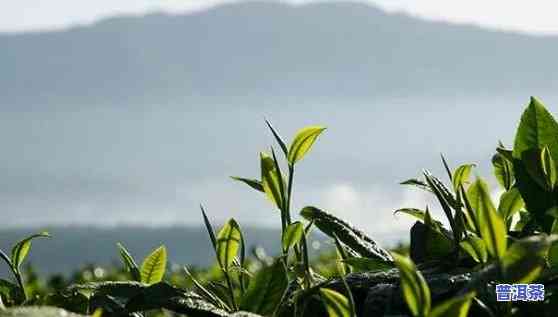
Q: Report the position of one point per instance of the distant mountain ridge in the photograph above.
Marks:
(267, 49)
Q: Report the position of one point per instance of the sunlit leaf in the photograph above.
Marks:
(455, 307)
(413, 286)
(510, 204)
(337, 305)
(154, 266)
(271, 180)
(491, 225)
(475, 247)
(292, 235)
(21, 249)
(302, 142)
(503, 170)
(228, 243)
(461, 175)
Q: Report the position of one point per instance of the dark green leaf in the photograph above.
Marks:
(366, 264)
(129, 262)
(254, 183)
(266, 290)
(351, 237)
(278, 138)
(526, 258)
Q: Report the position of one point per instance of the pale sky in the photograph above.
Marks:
(535, 16)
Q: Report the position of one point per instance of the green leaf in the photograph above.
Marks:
(129, 262)
(475, 247)
(302, 142)
(337, 305)
(272, 181)
(461, 175)
(510, 204)
(208, 295)
(278, 138)
(503, 170)
(548, 168)
(417, 183)
(455, 307)
(154, 266)
(413, 286)
(266, 290)
(350, 236)
(417, 213)
(21, 249)
(228, 243)
(292, 235)
(367, 264)
(526, 258)
(536, 130)
(492, 227)
(429, 241)
(209, 229)
(254, 183)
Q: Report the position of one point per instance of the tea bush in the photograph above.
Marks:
(448, 271)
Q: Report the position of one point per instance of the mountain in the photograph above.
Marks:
(268, 50)
(136, 120)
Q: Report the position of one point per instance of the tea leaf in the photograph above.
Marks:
(209, 229)
(510, 203)
(271, 180)
(21, 249)
(455, 307)
(278, 138)
(475, 247)
(417, 183)
(302, 142)
(503, 170)
(228, 244)
(525, 259)
(492, 227)
(266, 290)
(254, 183)
(154, 266)
(351, 237)
(461, 175)
(548, 168)
(413, 286)
(417, 213)
(367, 264)
(292, 235)
(129, 262)
(536, 130)
(337, 305)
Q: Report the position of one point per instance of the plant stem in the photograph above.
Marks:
(231, 291)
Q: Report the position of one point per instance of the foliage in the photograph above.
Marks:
(447, 271)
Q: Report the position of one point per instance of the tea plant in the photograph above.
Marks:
(449, 271)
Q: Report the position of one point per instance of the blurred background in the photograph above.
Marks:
(118, 118)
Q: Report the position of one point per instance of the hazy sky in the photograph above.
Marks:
(529, 16)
